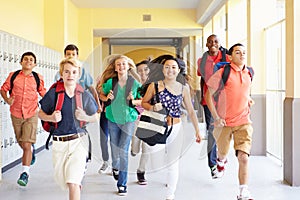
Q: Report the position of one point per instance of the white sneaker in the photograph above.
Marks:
(244, 195)
(104, 169)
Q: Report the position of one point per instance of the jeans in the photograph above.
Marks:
(211, 142)
(120, 137)
(104, 136)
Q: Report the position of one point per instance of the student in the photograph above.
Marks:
(23, 102)
(120, 113)
(172, 93)
(69, 149)
(136, 144)
(208, 60)
(85, 80)
(232, 115)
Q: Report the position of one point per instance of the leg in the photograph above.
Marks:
(114, 134)
(74, 191)
(104, 137)
(124, 142)
(211, 143)
(243, 167)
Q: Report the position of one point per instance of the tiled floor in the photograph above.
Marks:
(194, 181)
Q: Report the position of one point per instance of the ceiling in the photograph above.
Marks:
(148, 33)
(136, 3)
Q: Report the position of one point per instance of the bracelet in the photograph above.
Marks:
(217, 118)
(153, 108)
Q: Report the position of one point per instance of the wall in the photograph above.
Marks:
(23, 18)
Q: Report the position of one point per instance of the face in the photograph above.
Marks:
(238, 56)
(121, 65)
(171, 69)
(70, 74)
(213, 44)
(28, 62)
(143, 70)
(71, 54)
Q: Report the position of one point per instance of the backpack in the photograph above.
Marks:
(225, 76)
(224, 51)
(129, 84)
(15, 74)
(59, 96)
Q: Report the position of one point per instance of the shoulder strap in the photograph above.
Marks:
(251, 72)
(37, 80)
(129, 84)
(202, 63)
(78, 99)
(156, 92)
(13, 77)
(223, 81)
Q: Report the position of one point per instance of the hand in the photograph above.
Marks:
(130, 96)
(80, 114)
(110, 95)
(157, 107)
(56, 116)
(219, 122)
(10, 100)
(198, 137)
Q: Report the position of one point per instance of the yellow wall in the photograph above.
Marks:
(71, 23)
(23, 18)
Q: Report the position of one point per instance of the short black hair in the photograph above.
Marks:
(71, 47)
(29, 53)
(235, 45)
(143, 62)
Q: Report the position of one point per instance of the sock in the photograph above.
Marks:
(25, 169)
(244, 190)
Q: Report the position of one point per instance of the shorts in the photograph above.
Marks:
(69, 161)
(25, 129)
(242, 137)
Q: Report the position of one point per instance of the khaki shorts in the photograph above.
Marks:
(25, 129)
(69, 161)
(242, 137)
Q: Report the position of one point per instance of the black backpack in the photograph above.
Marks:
(15, 74)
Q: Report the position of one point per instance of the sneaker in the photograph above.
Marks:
(132, 153)
(244, 195)
(33, 155)
(115, 173)
(221, 167)
(141, 178)
(23, 180)
(122, 191)
(104, 168)
(214, 172)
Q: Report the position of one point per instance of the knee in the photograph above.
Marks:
(243, 158)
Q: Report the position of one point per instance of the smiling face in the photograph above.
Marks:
(171, 69)
(121, 66)
(213, 45)
(28, 62)
(143, 70)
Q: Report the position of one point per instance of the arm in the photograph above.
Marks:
(54, 117)
(81, 115)
(8, 100)
(96, 97)
(218, 122)
(191, 112)
(147, 97)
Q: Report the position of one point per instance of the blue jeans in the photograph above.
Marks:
(120, 137)
(104, 136)
(211, 142)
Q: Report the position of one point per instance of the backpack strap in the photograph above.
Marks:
(78, 99)
(15, 74)
(223, 81)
